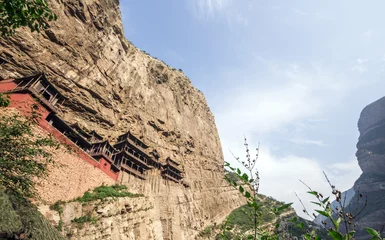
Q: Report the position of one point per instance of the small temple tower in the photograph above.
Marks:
(171, 170)
(133, 156)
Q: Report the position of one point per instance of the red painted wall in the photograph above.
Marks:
(7, 85)
(24, 103)
(105, 166)
(63, 139)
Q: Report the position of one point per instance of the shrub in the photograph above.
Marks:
(24, 155)
(103, 192)
(85, 219)
(57, 207)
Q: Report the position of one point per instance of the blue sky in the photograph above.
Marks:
(293, 75)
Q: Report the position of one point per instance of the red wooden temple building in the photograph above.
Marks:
(35, 94)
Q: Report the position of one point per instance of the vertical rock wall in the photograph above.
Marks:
(371, 158)
(113, 87)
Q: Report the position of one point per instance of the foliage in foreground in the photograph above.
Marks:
(255, 212)
(24, 155)
(340, 221)
(33, 14)
(339, 225)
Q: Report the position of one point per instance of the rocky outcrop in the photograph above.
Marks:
(371, 158)
(112, 87)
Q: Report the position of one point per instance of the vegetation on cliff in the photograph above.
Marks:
(20, 219)
(24, 155)
(103, 192)
(33, 14)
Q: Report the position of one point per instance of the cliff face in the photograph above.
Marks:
(371, 158)
(113, 87)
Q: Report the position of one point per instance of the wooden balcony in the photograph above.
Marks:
(135, 158)
(172, 171)
(165, 175)
(40, 98)
(172, 164)
(133, 171)
(47, 94)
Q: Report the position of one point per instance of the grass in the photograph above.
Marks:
(60, 225)
(206, 232)
(103, 192)
(57, 206)
(85, 219)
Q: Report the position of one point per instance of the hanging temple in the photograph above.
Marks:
(128, 154)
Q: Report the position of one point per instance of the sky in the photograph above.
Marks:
(292, 75)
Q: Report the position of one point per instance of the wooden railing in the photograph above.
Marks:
(133, 171)
(174, 165)
(170, 177)
(138, 159)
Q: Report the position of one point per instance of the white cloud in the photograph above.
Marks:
(301, 141)
(359, 68)
(293, 95)
(208, 8)
(361, 61)
(360, 65)
(228, 10)
(368, 35)
(299, 12)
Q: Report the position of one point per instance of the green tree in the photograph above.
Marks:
(24, 13)
(24, 155)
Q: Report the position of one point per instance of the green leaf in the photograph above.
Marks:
(301, 225)
(325, 200)
(313, 193)
(245, 177)
(335, 235)
(247, 194)
(322, 213)
(307, 236)
(373, 232)
(337, 223)
(239, 171)
(241, 189)
(293, 220)
(285, 206)
(316, 203)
